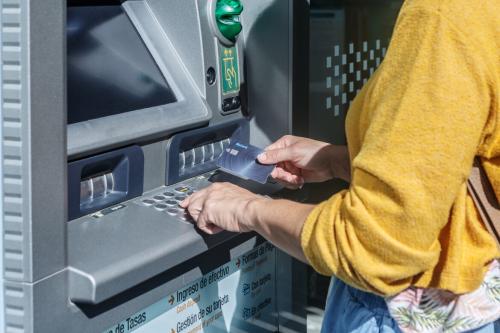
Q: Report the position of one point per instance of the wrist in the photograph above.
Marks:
(252, 212)
(332, 161)
(340, 163)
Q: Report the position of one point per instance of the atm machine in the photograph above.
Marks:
(112, 112)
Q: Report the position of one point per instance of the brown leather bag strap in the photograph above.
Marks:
(486, 202)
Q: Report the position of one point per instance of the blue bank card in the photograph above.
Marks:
(241, 160)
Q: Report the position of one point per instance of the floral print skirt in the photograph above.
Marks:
(349, 310)
(433, 310)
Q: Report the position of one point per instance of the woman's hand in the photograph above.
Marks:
(222, 206)
(299, 160)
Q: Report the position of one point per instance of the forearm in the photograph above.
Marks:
(280, 222)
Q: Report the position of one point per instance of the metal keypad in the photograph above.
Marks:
(167, 201)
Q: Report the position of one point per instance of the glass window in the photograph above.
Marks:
(348, 41)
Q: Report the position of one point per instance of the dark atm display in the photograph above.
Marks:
(110, 70)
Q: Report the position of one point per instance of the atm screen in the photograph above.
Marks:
(110, 70)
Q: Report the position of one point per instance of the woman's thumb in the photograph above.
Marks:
(274, 156)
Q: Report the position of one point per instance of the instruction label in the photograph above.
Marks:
(230, 78)
(237, 295)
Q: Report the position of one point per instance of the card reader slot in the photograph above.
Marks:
(195, 152)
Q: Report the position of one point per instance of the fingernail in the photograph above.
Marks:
(262, 157)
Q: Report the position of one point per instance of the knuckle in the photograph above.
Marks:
(273, 154)
(200, 222)
(208, 218)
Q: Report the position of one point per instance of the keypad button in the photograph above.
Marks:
(180, 198)
(161, 206)
(159, 197)
(172, 211)
(182, 189)
(169, 194)
(190, 192)
(148, 202)
(171, 203)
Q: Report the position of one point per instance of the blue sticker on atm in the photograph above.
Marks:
(241, 160)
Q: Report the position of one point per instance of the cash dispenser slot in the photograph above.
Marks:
(101, 181)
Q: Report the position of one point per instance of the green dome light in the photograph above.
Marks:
(227, 16)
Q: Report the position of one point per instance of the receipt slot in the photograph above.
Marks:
(109, 120)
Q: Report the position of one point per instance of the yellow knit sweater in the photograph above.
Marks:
(413, 132)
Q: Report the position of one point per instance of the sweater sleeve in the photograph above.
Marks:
(425, 110)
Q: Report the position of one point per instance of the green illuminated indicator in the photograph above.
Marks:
(227, 15)
(230, 76)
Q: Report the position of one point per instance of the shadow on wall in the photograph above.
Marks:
(267, 56)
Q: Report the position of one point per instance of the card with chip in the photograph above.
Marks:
(241, 160)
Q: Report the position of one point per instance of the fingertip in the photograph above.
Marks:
(217, 229)
(290, 178)
(210, 229)
(295, 180)
(274, 173)
(207, 231)
(262, 157)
